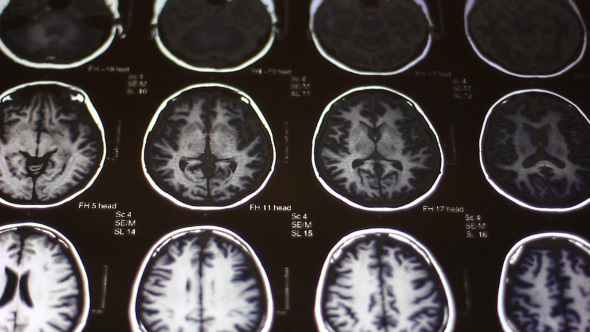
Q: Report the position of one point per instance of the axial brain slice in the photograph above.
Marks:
(381, 281)
(371, 36)
(217, 279)
(43, 284)
(55, 31)
(215, 34)
(209, 148)
(375, 150)
(526, 37)
(51, 145)
(546, 285)
(535, 151)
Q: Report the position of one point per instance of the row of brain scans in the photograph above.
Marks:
(373, 279)
(209, 147)
(526, 38)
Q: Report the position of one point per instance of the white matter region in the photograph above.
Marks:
(363, 180)
(192, 183)
(541, 295)
(37, 130)
(52, 285)
(191, 288)
(363, 293)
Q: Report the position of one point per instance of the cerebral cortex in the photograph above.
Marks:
(56, 32)
(371, 35)
(535, 148)
(42, 282)
(51, 146)
(215, 33)
(374, 149)
(527, 37)
(209, 148)
(379, 282)
(202, 280)
(547, 286)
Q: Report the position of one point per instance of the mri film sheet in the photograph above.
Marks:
(294, 166)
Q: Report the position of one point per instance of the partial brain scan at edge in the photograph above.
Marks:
(374, 149)
(202, 37)
(525, 43)
(44, 282)
(44, 34)
(208, 147)
(52, 145)
(533, 151)
(356, 35)
(216, 274)
(544, 284)
(383, 280)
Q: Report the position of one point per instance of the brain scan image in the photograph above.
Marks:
(374, 149)
(52, 144)
(534, 151)
(57, 34)
(214, 35)
(382, 280)
(545, 285)
(208, 147)
(43, 284)
(201, 278)
(371, 37)
(526, 38)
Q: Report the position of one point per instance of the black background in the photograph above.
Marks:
(472, 266)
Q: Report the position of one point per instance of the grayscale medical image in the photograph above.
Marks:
(375, 149)
(526, 37)
(208, 147)
(534, 151)
(545, 285)
(204, 279)
(382, 280)
(56, 33)
(371, 36)
(215, 34)
(52, 144)
(43, 284)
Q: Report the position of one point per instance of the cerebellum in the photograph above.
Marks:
(213, 272)
(208, 147)
(51, 144)
(374, 149)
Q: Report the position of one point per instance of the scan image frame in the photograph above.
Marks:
(113, 5)
(326, 55)
(218, 231)
(97, 121)
(269, 4)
